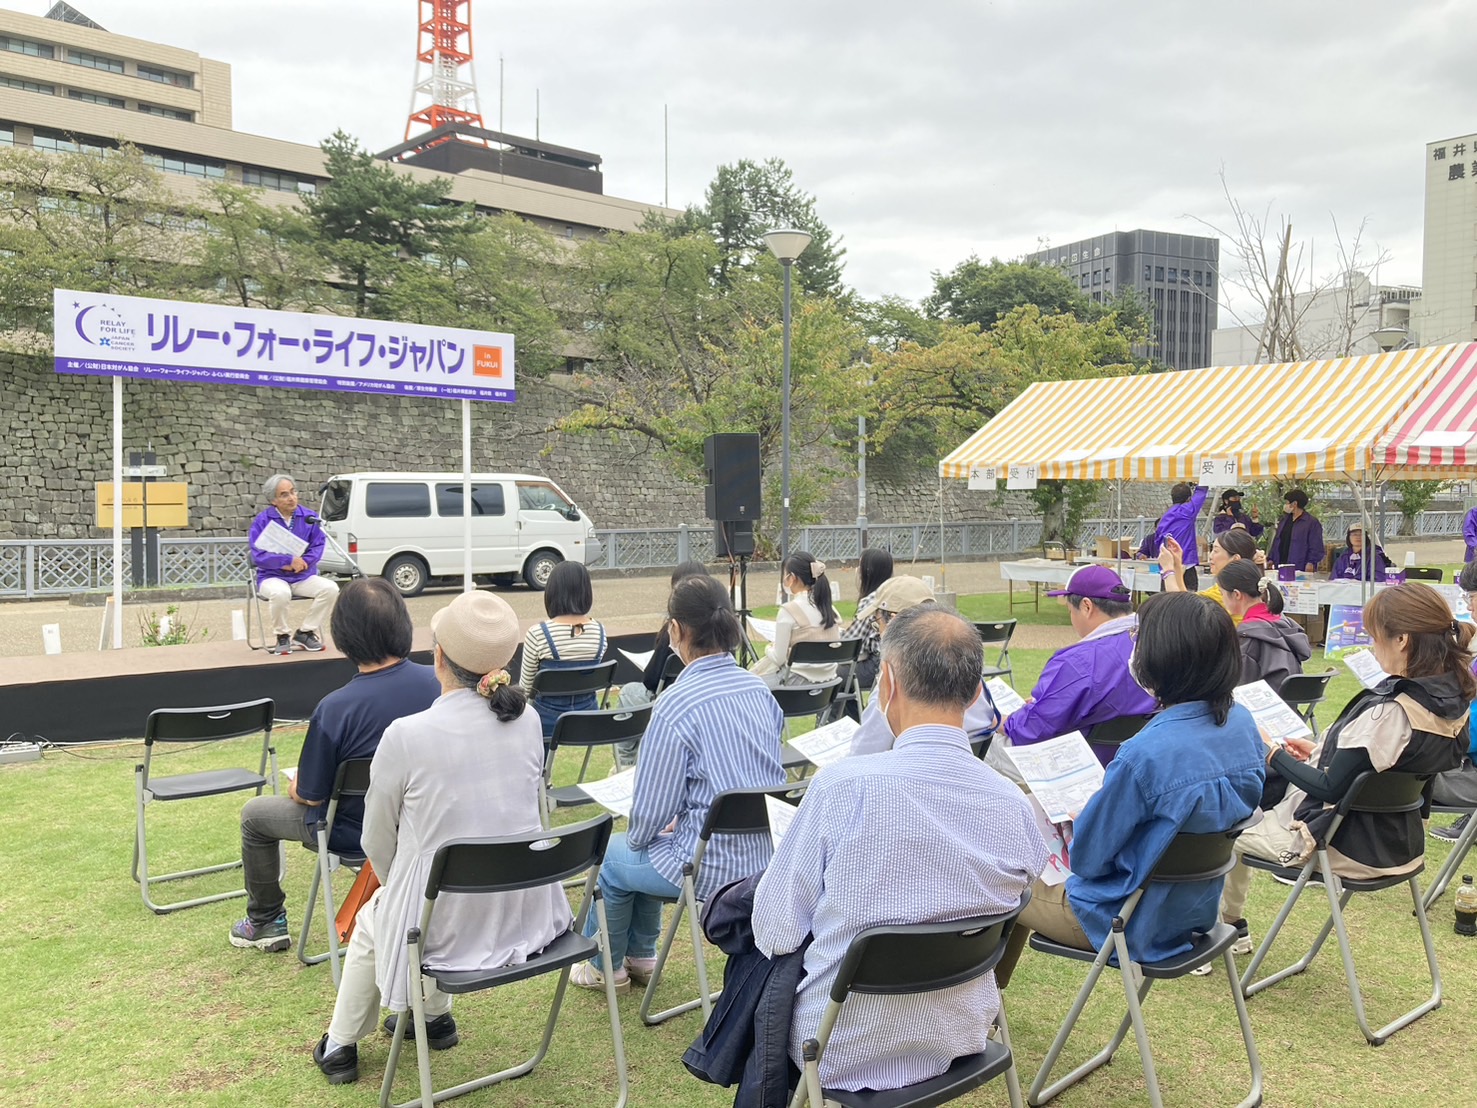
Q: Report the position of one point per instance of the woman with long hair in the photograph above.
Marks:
(808, 616)
(1414, 721)
(1273, 647)
(874, 570)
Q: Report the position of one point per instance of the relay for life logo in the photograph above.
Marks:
(105, 327)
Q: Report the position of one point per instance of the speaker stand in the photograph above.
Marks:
(738, 575)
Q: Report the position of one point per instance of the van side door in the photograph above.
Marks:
(494, 530)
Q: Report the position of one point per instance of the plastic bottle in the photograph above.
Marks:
(1466, 907)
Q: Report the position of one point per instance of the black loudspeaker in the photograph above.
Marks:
(733, 539)
(732, 463)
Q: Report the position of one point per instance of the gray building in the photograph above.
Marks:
(1178, 277)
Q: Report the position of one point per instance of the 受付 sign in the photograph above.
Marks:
(104, 335)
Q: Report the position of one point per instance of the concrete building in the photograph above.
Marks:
(1447, 309)
(67, 84)
(1177, 276)
(1355, 316)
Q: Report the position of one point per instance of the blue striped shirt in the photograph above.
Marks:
(716, 728)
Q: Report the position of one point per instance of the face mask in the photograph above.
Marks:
(1133, 670)
(884, 703)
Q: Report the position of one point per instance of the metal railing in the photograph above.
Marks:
(59, 567)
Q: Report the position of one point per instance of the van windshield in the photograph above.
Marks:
(335, 505)
(540, 497)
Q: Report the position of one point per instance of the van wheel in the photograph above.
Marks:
(408, 574)
(538, 567)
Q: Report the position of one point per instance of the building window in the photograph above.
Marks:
(1158, 273)
(56, 142)
(275, 180)
(186, 165)
(94, 98)
(1148, 272)
(26, 86)
(95, 61)
(1174, 276)
(7, 134)
(166, 76)
(166, 113)
(1209, 279)
(1097, 276)
(26, 46)
(1199, 277)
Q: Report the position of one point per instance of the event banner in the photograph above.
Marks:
(1345, 630)
(105, 335)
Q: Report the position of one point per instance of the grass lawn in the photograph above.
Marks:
(106, 1003)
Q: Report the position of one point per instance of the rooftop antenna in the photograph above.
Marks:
(445, 89)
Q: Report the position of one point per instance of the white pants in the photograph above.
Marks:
(357, 1009)
(278, 593)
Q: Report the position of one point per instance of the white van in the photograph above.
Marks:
(407, 527)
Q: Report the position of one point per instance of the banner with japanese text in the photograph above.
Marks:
(107, 335)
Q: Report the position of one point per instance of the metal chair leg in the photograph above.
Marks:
(1453, 863)
(1243, 1017)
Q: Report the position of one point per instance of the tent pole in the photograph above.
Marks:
(467, 583)
(1118, 528)
(943, 570)
(1366, 578)
(117, 513)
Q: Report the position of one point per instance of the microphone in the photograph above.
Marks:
(312, 519)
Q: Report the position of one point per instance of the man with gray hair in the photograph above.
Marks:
(920, 833)
(281, 576)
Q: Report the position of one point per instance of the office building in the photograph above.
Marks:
(67, 84)
(1178, 277)
(1351, 316)
(1447, 309)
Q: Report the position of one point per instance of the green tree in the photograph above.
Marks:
(980, 293)
(369, 218)
(749, 198)
(260, 255)
(1413, 498)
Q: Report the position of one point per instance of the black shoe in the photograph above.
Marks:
(1453, 833)
(309, 641)
(340, 1067)
(440, 1032)
(282, 646)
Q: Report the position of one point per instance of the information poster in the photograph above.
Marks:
(1345, 630)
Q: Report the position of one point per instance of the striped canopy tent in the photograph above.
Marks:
(1315, 419)
(1437, 435)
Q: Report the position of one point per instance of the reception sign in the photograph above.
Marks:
(106, 335)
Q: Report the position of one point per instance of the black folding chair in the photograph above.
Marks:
(1303, 692)
(197, 726)
(905, 961)
(1388, 793)
(567, 680)
(351, 779)
(674, 665)
(490, 866)
(602, 727)
(1116, 732)
(796, 701)
(1453, 864)
(733, 812)
(1424, 573)
(998, 634)
(1188, 858)
(841, 654)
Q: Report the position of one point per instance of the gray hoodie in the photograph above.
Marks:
(1272, 651)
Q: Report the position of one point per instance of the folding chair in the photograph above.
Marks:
(1116, 732)
(842, 654)
(1188, 858)
(733, 812)
(568, 679)
(1303, 692)
(998, 634)
(256, 619)
(507, 864)
(673, 667)
(602, 727)
(796, 701)
(1389, 792)
(197, 726)
(909, 960)
(1453, 864)
(1424, 573)
(351, 779)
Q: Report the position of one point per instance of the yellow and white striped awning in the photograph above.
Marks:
(1300, 419)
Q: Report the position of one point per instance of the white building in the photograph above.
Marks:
(1447, 310)
(1356, 316)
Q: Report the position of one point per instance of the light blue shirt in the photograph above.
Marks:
(716, 728)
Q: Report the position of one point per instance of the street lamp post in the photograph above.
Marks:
(787, 245)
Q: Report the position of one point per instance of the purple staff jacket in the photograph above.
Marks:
(1221, 523)
(277, 565)
(1469, 532)
(1082, 684)
(1178, 521)
(1307, 542)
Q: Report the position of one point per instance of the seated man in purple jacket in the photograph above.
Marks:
(1299, 537)
(280, 577)
(1185, 504)
(1088, 682)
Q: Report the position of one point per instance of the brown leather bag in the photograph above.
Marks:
(358, 896)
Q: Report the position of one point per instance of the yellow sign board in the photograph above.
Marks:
(168, 504)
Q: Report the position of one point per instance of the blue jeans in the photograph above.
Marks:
(634, 893)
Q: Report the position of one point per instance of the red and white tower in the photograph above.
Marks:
(445, 89)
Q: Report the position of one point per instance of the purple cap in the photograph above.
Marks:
(1094, 583)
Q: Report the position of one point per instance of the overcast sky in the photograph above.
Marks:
(927, 131)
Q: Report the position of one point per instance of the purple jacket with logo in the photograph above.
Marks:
(1469, 532)
(1307, 542)
(277, 565)
(1179, 521)
(1223, 523)
(1082, 684)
